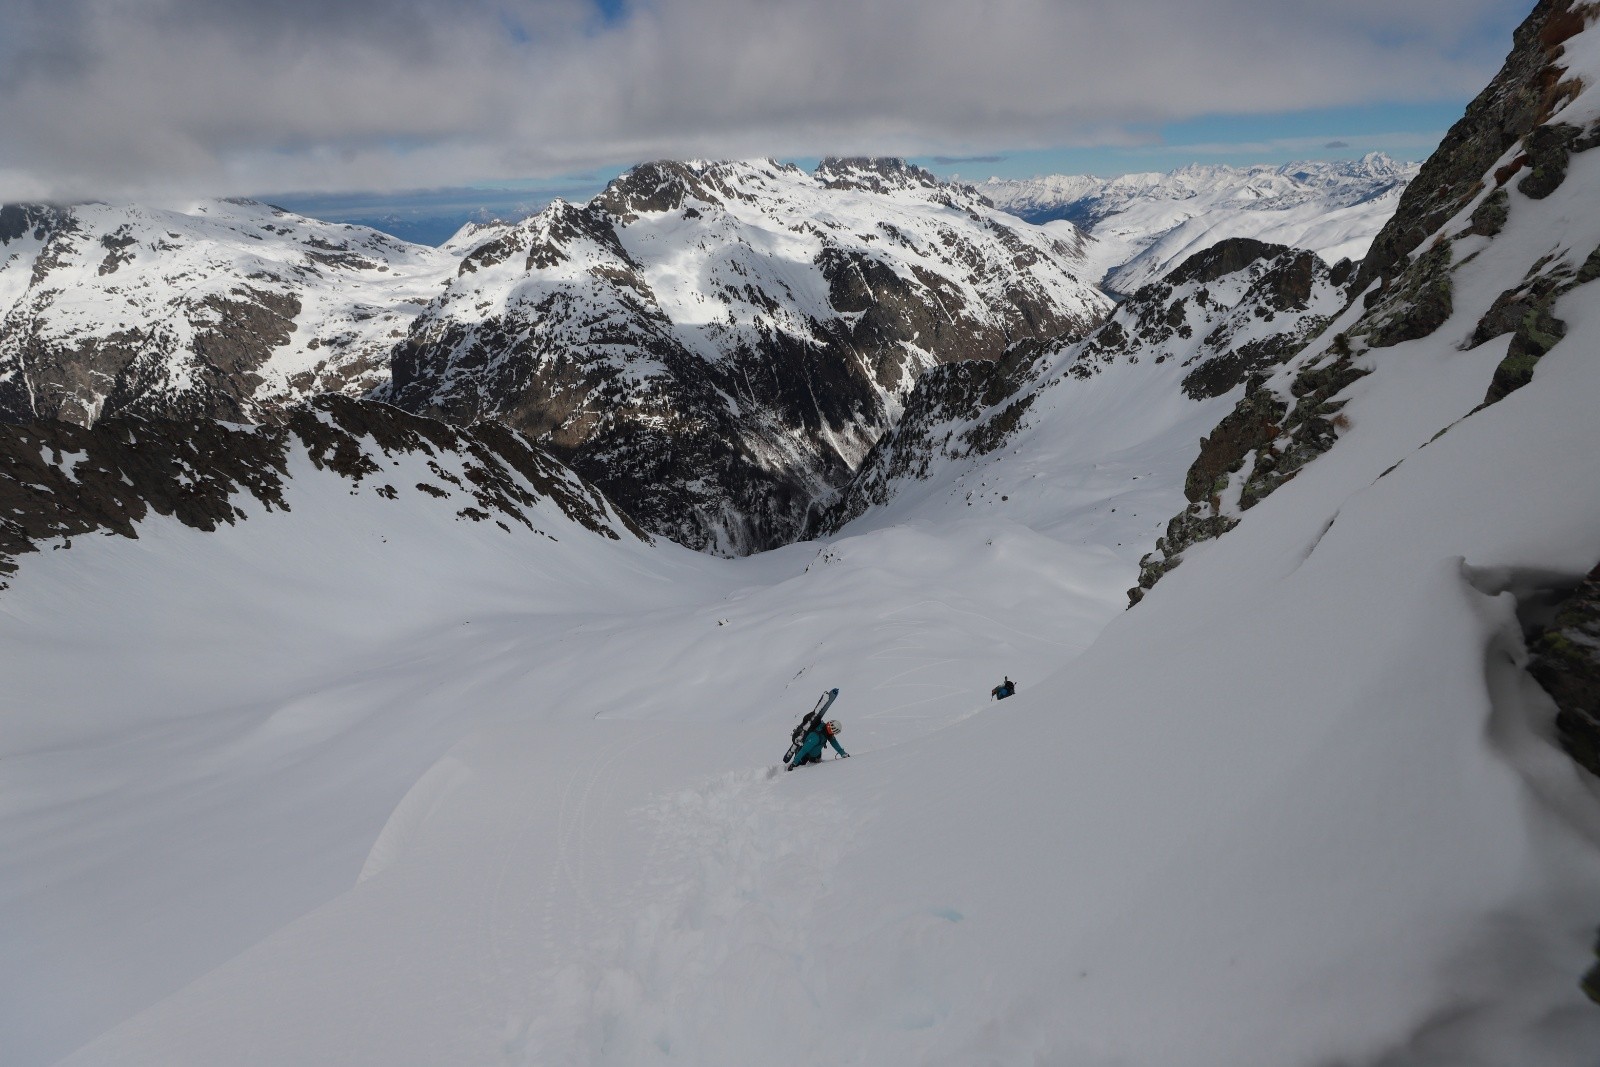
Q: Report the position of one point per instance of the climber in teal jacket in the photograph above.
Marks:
(811, 747)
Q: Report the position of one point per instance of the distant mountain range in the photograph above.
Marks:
(1145, 224)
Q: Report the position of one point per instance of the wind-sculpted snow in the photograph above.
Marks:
(228, 309)
(718, 344)
(1142, 225)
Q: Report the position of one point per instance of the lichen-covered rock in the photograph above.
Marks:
(1526, 313)
(1548, 149)
(1565, 660)
(1409, 294)
(1521, 97)
(1416, 304)
(1489, 217)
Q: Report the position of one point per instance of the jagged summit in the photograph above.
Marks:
(875, 174)
(718, 344)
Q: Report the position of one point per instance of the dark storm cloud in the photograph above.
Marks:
(108, 97)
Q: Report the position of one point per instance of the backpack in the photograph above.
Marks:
(810, 721)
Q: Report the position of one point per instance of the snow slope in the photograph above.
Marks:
(252, 717)
(1300, 806)
(1145, 224)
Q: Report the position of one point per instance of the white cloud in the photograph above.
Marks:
(109, 97)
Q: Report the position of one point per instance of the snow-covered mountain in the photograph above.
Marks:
(1145, 224)
(1175, 356)
(718, 344)
(225, 308)
(359, 779)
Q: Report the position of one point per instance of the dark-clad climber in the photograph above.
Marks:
(1003, 690)
(811, 747)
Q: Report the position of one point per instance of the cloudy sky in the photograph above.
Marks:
(174, 98)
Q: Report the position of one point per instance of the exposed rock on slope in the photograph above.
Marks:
(62, 480)
(228, 310)
(1566, 661)
(1520, 98)
(1450, 216)
(1224, 314)
(717, 344)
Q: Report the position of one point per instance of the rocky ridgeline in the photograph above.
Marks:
(717, 345)
(1508, 139)
(1511, 149)
(60, 480)
(1221, 316)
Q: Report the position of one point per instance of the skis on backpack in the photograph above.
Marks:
(809, 721)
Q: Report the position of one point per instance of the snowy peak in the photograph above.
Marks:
(1227, 312)
(227, 308)
(667, 185)
(719, 343)
(1090, 200)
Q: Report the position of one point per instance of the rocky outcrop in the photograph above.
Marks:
(1212, 324)
(1408, 290)
(717, 345)
(1226, 313)
(60, 480)
(959, 411)
(1521, 98)
(1565, 660)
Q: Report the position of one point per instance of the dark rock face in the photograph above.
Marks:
(878, 175)
(1222, 314)
(1252, 305)
(1519, 99)
(1566, 662)
(718, 345)
(987, 397)
(1299, 419)
(1416, 304)
(62, 480)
